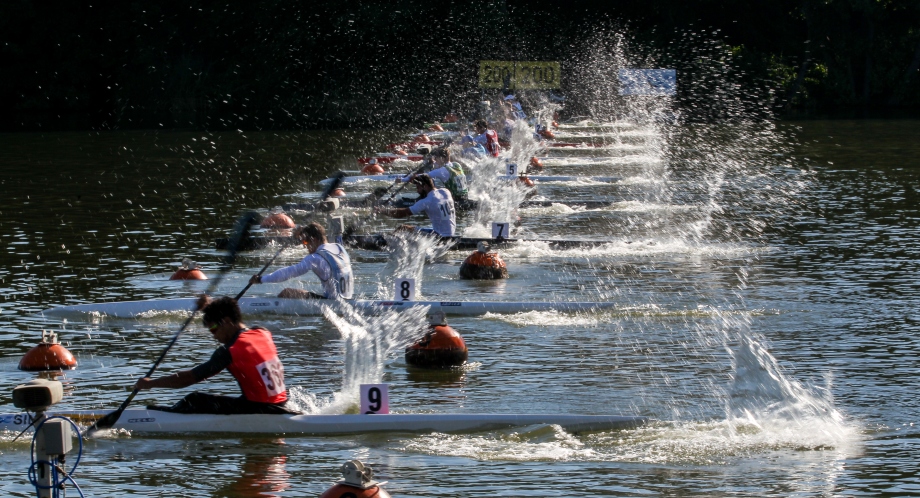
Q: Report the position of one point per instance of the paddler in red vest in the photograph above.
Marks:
(249, 354)
(487, 138)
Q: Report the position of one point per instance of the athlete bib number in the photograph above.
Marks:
(272, 373)
(446, 209)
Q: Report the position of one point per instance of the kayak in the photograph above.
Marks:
(536, 178)
(143, 421)
(376, 242)
(314, 307)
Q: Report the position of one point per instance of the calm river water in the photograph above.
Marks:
(766, 281)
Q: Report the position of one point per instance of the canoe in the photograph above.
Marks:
(536, 178)
(314, 307)
(143, 421)
(405, 201)
(376, 242)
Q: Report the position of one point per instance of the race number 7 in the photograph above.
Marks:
(501, 230)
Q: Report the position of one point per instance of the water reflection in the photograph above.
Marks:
(261, 474)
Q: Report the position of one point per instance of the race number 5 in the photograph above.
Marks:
(405, 289)
(375, 398)
(511, 169)
(502, 230)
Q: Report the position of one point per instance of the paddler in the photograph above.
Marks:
(487, 138)
(329, 261)
(471, 149)
(437, 203)
(450, 174)
(249, 354)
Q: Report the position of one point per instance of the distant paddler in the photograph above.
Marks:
(437, 203)
(249, 354)
(487, 138)
(329, 261)
(450, 174)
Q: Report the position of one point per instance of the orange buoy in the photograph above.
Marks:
(372, 169)
(277, 219)
(483, 265)
(357, 483)
(48, 355)
(451, 118)
(436, 127)
(188, 271)
(556, 124)
(547, 134)
(536, 163)
(401, 152)
(421, 138)
(441, 347)
(337, 193)
(526, 181)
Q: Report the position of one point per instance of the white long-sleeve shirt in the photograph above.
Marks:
(337, 278)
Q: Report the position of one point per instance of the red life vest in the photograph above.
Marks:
(492, 146)
(256, 367)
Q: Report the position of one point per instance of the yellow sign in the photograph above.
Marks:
(515, 75)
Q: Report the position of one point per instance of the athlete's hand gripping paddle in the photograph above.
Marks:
(352, 228)
(241, 231)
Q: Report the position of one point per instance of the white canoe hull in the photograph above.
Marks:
(302, 307)
(536, 178)
(142, 421)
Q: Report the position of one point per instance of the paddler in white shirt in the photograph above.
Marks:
(437, 203)
(329, 261)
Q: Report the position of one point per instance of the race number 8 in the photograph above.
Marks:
(375, 398)
(405, 289)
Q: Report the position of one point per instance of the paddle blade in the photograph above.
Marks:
(106, 422)
(240, 235)
(334, 184)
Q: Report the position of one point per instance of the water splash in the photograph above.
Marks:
(408, 250)
(368, 341)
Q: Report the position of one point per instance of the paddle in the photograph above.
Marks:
(241, 231)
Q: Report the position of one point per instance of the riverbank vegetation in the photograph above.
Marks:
(277, 65)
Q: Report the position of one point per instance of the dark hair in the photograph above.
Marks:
(220, 308)
(481, 123)
(441, 152)
(313, 231)
(424, 179)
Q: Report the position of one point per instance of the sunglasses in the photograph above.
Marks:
(212, 328)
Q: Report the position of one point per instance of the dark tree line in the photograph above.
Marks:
(281, 64)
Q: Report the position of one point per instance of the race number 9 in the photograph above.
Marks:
(375, 398)
(502, 230)
(405, 289)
